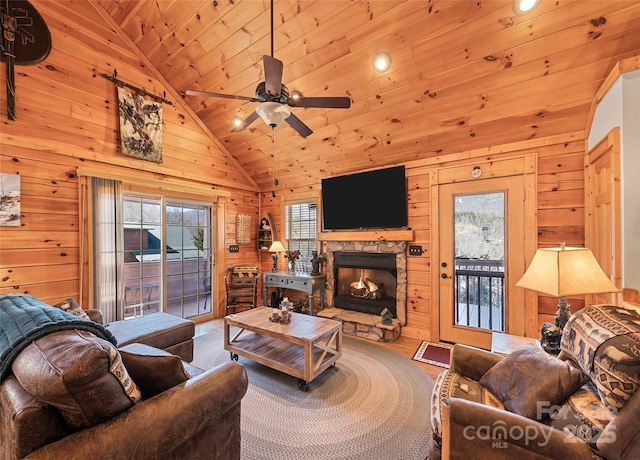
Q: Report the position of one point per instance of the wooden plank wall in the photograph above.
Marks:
(560, 214)
(67, 116)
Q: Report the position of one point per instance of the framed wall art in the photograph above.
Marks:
(9, 200)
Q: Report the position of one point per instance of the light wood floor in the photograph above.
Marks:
(405, 346)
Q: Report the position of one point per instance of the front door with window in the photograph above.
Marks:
(481, 254)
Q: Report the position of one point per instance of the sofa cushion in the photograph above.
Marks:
(70, 306)
(153, 370)
(529, 377)
(77, 373)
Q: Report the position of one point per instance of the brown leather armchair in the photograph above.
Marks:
(198, 418)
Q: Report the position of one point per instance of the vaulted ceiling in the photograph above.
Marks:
(465, 74)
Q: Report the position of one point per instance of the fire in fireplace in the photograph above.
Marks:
(365, 282)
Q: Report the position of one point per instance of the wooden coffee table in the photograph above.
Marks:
(303, 348)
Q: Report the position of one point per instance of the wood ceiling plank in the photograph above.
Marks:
(402, 94)
(441, 89)
(178, 27)
(143, 26)
(121, 11)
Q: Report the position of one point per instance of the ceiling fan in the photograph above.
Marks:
(275, 99)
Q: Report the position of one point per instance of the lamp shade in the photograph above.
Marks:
(273, 113)
(566, 271)
(276, 246)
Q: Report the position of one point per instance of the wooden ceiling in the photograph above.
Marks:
(464, 74)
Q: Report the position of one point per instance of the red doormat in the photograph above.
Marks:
(437, 354)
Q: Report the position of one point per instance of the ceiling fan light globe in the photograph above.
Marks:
(273, 113)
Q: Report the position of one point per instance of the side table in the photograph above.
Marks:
(503, 344)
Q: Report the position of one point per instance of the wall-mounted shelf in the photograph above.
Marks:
(266, 232)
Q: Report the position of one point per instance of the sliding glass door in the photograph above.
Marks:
(167, 256)
(189, 258)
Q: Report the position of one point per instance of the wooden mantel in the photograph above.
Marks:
(382, 235)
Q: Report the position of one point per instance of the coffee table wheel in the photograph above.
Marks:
(234, 356)
(333, 365)
(303, 385)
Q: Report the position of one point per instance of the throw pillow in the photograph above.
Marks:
(153, 370)
(617, 369)
(70, 306)
(79, 374)
(529, 380)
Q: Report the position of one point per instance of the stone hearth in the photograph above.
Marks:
(363, 325)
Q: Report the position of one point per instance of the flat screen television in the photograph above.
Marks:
(371, 199)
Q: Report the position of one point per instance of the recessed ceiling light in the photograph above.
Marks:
(522, 7)
(237, 122)
(382, 61)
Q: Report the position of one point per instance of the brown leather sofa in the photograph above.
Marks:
(73, 395)
(583, 404)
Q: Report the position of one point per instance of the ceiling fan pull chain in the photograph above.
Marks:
(275, 162)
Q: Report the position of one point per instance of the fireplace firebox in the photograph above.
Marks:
(365, 282)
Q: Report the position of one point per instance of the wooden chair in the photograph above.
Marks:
(241, 287)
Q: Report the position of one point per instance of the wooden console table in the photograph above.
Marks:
(298, 281)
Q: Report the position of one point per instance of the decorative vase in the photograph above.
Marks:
(292, 266)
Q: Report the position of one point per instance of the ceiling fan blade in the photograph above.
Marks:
(246, 122)
(190, 92)
(321, 102)
(297, 124)
(272, 74)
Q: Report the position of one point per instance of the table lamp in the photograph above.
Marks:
(276, 247)
(563, 272)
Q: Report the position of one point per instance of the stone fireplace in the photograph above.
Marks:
(354, 266)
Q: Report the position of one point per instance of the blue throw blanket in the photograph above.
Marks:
(24, 319)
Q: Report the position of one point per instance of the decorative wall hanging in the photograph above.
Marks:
(243, 229)
(26, 40)
(9, 200)
(140, 126)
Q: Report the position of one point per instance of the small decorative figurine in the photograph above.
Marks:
(387, 316)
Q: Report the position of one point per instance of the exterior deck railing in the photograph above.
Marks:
(479, 293)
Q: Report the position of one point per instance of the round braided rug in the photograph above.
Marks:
(374, 404)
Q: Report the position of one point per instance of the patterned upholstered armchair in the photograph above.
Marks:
(584, 404)
(241, 287)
